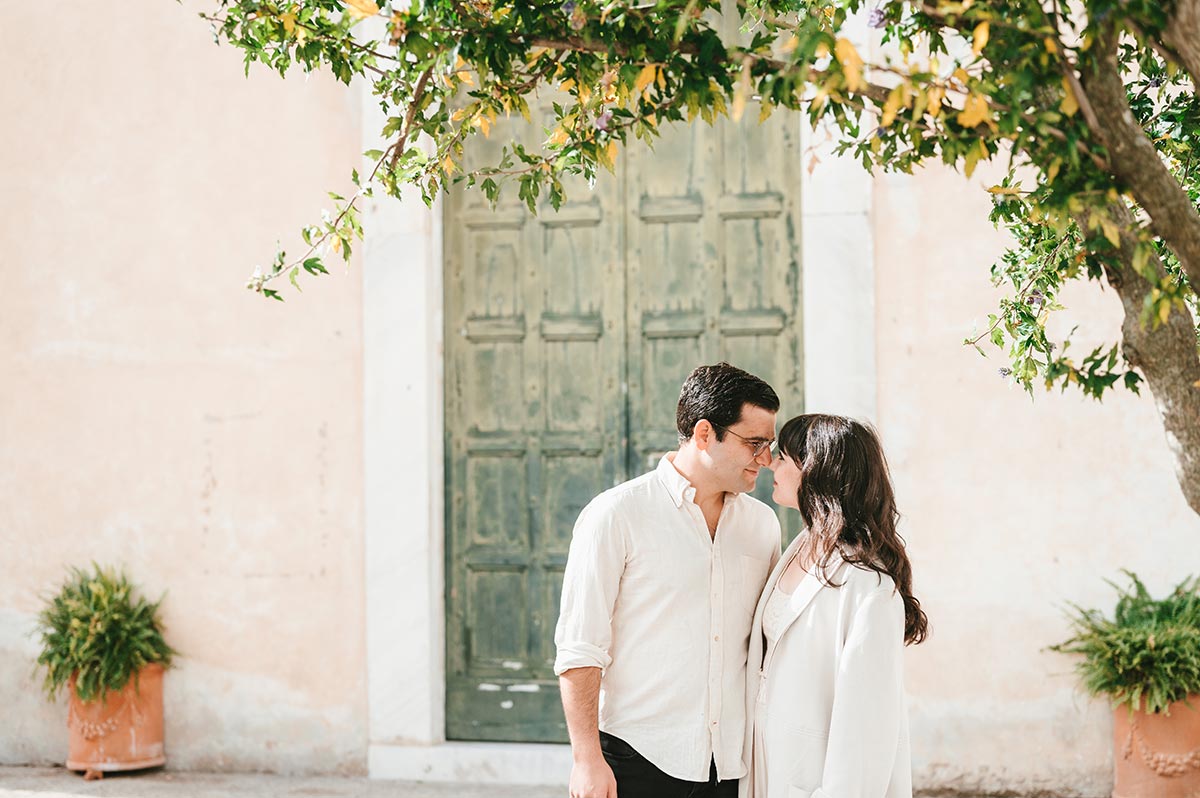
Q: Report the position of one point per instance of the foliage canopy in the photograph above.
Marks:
(1092, 107)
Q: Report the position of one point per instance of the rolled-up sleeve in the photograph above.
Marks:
(595, 563)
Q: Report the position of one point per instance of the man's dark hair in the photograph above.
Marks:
(717, 393)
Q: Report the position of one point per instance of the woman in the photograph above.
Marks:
(828, 707)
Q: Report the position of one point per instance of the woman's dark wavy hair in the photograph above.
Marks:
(848, 505)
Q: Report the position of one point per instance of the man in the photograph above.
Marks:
(662, 578)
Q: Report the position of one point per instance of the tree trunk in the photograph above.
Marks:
(1182, 35)
(1166, 356)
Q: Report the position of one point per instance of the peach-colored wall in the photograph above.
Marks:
(156, 414)
(1012, 506)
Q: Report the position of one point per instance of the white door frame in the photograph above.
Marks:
(404, 429)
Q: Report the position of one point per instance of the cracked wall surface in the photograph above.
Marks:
(1012, 507)
(157, 415)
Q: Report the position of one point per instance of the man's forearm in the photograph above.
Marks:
(580, 688)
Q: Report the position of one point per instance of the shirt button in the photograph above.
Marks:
(716, 637)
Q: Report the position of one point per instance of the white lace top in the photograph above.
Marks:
(775, 614)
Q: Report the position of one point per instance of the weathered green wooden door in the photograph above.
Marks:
(567, 337)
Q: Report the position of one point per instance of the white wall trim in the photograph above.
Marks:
(403, 430)
(837, 268)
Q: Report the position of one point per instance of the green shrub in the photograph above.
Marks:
(1149, 650)
(95, 628)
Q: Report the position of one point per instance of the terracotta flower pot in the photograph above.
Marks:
(124, 731)
(1157, 756)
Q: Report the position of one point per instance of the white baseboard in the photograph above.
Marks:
(481, 763)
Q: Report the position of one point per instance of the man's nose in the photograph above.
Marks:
(770, 460)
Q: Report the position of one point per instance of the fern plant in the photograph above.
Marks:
(98, 630)
(1148, 651)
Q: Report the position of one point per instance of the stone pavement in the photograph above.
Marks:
(42, 782)
(27, 782)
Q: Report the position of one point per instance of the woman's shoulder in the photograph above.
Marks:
(861, 580)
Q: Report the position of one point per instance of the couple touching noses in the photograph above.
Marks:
(697, 660)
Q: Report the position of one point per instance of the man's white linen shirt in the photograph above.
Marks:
(664, 609)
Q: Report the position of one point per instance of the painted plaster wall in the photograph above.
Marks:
(1012, 507)
(156, 414)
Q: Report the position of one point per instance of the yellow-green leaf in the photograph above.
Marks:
(1069, 104)
(936, 95)
(892, 106)
(741, 93)
(974, 112)
(979, 39)
(361, 9)
(645, 78)
(851, 61)
(1111, 231)
(607, 156)
(1141, 257)
(974, 156)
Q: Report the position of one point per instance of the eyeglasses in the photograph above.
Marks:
(757, 445)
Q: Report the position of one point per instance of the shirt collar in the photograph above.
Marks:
(678, 488)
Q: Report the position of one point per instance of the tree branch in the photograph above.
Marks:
(1068, 70)
(1182, 35)
(1134, 160)
(398, 148)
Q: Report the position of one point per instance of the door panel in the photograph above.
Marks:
(567, 337)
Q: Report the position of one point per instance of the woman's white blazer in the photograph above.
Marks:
(834, 724)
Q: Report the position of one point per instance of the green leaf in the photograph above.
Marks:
(314, 266)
